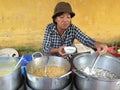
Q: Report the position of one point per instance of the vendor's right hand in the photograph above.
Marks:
(61, 51)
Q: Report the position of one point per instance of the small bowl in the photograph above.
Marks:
(70, 50)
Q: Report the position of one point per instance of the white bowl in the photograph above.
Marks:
(70, 50)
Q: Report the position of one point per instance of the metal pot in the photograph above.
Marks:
(10, 77)
(88, 82)
(46, 83)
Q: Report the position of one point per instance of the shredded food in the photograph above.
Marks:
(52, 71)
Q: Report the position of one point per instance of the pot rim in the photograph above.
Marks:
(105, 55)
(67, 71)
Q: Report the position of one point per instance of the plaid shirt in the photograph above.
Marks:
(53, 40)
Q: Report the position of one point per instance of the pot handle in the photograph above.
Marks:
(65, 74)
(36, 55)
(76, 72)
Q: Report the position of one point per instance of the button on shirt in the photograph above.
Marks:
(53, 40)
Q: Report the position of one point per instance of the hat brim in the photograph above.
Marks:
(57, 14)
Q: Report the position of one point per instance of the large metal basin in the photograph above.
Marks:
(10, 77)
(87, 82)
(46, 83)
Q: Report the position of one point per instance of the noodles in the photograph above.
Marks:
(52, 71)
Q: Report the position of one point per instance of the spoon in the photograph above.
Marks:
(45, 74)
(95, 61)
(18, 62)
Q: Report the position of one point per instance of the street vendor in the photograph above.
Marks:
(62, 32)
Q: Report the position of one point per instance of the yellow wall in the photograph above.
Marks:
(23, 22)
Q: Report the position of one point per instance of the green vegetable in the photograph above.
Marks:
(118, 51)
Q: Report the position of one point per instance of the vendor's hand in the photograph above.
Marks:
(61, 51)
(101, 48)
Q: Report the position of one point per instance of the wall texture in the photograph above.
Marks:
(23, 22)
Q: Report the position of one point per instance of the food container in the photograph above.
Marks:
(47, 83)
(10, 77)
(89, 82)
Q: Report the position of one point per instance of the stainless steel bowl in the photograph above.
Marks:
(46, 83)
(88, 82)
(10, 77)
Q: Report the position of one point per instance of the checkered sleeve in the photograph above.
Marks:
(47, 40)
(83, 38)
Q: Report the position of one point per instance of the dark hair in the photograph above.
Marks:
(59, 14)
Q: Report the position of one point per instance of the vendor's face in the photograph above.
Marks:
(63, 21)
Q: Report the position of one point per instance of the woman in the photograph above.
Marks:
(62, 33)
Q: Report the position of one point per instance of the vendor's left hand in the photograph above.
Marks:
(101, 48)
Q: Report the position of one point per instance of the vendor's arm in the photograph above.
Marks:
(101, 48)
(47, 41)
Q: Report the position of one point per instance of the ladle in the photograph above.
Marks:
(88, 70)
(95, 61)
(18, 62)
(46, 61)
